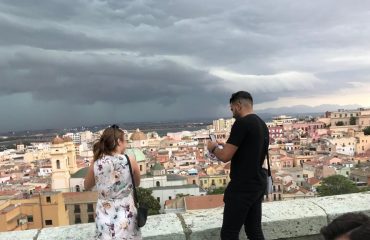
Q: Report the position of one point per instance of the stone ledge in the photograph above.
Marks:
(289, 220)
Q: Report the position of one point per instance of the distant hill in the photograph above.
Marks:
(304, 109)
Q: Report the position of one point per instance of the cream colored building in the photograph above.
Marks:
(222, 124)
(363, 142)
(63, 162)
(86, 136)
(35, 155)
(364, 120)
(36, 212)
(343, 116)
(345, 145)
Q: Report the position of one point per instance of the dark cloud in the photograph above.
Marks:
(175, 57)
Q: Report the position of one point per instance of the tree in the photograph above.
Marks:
(352, 121)
(215, 191)
(146, 199)
(367, 131)
(340, 123)
(336, 185)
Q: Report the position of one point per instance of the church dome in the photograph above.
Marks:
(138, 136)
(68, 139)
(57, 140)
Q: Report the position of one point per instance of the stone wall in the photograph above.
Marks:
(293, 220)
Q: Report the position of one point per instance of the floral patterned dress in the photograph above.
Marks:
(115, 209)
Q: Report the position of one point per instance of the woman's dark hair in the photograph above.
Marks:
(108, 141)
(357, 225)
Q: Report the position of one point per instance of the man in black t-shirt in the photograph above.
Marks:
(246, 149)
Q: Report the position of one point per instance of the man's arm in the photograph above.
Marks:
(237, 134)
(225, 154)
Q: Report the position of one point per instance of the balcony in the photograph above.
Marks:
(284, 220)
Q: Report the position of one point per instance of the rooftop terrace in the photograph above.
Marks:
(288, 220)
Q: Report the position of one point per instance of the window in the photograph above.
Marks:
(29, 218)
(91, 218)
(77, 188)
(141, 167)
(48, 199)
(58, 164)
(194, 182)
(77, 208)
(48, 222)
(158, 184)
(158, 199)
(77, 219)
(169, 198)
(90, 207)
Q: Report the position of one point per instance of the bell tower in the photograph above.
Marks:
(60, 167)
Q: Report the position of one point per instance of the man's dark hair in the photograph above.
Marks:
(241, 95)
(356, 224)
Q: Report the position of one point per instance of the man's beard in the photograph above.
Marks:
(236, 115)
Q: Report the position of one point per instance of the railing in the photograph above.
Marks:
(294, 219)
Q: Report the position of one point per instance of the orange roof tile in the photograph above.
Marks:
(204, 202)
(313, 181)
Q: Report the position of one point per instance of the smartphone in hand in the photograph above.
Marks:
(212, 137)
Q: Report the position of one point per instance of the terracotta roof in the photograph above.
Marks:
(289, 184)
(204, 202)
(8, 193)
(138, 136)
(313, 181)
(303, 190)
(57, 140)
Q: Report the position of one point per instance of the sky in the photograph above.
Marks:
(78, 63)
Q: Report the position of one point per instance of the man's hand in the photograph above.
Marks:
(211, 145)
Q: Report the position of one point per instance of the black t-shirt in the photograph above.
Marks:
(250, 134)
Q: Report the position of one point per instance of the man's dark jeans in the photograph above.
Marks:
(242, 208)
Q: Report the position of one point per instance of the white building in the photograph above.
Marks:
(44, 172)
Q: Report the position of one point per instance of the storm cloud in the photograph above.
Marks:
(67, 63)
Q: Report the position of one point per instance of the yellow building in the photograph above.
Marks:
(81, 206)
(36, 212)
(213, 181)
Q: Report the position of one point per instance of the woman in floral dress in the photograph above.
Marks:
(115, 208)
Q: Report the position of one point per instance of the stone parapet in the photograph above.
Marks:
(289, 220)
